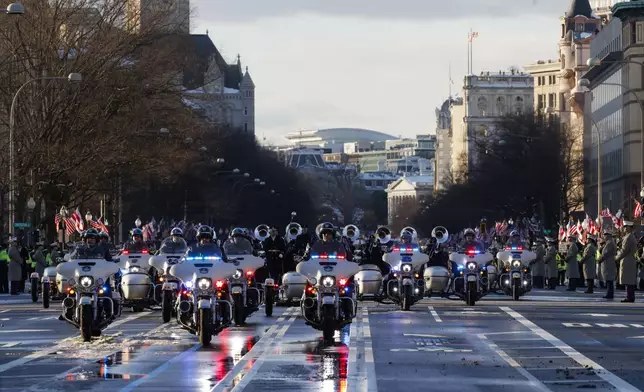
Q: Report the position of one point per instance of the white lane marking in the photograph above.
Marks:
(257, 350)
(636, 337)
(434, 314)
(510, 361)
(600, 315)
(4, 311)
(420, 335)
(25, 330)
(248, 377)
(10, 344)
(505, 333)
(39, 354)
(572, 381)
(354, 368)
(161, 368)
(578, 357)
(372, 385)
(469, 312)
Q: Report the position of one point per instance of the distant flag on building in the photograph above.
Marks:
(638, 210)
(472, 35)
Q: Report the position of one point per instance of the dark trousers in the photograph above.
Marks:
(610, 289)
(552, 283)
(14, 287)
(4, 277)
(537, 282)
(24, 278)
(562, 278)
(641, 285)
(630, 292)
(572, 284)
(590, 283)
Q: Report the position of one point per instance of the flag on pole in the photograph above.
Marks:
(472, 35)
(77, 218)
(638, 210)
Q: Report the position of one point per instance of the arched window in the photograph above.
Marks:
(482, 105)
(518, 105)
(500, 106)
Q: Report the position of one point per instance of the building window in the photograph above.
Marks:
(552, 100)
(245, 111)
(518, 105)
(579, 27)
(500, 106)
(245, 127)
(639, 32)
(482, 105)
(540, 101)
(633, 33)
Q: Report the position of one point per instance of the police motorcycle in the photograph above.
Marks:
(470, 283)
(292, 283)
(204, 307)
(329, 302)
(405, 284)
(170, 253)
(246, 296)
(516, 277)
(54, 286)
(86, 307)
(369, 277)
(437, 278)
(136, 285)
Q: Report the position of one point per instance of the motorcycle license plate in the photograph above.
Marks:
(516, 275)
(169, 286)
(328, 300)
(236, 290)
(471, 278)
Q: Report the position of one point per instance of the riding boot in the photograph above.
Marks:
(590, 283)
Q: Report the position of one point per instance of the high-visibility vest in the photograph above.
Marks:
(4, 256)
(30, 261)
(561, 264)
(48, 259)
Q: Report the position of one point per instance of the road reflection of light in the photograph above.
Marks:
(237, 345)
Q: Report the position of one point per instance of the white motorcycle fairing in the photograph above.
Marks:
(140, 259)
(508, 256)
(405, 255)
(96, 268)
(213, 270)
(246, 262)
(163, 262)
(316, 269)
(462, 259)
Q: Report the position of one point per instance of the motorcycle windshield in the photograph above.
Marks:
(85, 252)
(238, 246)
(170, 246)
(204, 252)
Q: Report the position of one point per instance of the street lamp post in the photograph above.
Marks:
(72, 77)
(88, 217)
(31, 205)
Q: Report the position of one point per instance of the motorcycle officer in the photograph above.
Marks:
(207, 245)
(328, 244)
(514, 240)
(136, 245)
(470, 240)
(175, 243)
(90, 248)
(238, 243)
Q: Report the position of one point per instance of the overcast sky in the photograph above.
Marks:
(375, 64)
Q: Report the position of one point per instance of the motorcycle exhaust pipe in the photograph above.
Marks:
(184, 306)
(309, 303)
(69, 302)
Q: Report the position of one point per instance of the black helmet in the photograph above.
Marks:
(176, 232)
(326, 227)
(90, 233)
(206, 232)
(104, 235)
(237, 232)
(136, 231)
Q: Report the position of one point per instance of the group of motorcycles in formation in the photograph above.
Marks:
(211, 285)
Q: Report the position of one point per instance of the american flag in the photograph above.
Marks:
(571, 228)
(472, 35)
(562, 233)
(99, 225)
(606, 213)
(70, 226)
(77, 218)
(638, 210)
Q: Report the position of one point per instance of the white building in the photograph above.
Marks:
(486, 98)
(335, 138)
(220, 91)
(407, 190)
(443, 159)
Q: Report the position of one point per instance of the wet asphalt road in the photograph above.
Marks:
(548, 341)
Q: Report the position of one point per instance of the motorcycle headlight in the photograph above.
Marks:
(406, 268)
(86, 281)
(135, 269)
(471, 266)
(204, 283)
(238, 274)
(516, 263)
(328, 281)
(313, 281)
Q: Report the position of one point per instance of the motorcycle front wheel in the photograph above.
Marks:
(268, 306)
(86, 321)
(166, 305)
(328, 323)
(34, 290)
(406, 298)
(239, 309)
(45, 295)
(471, 294)
(516, 293)
(205, 321)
